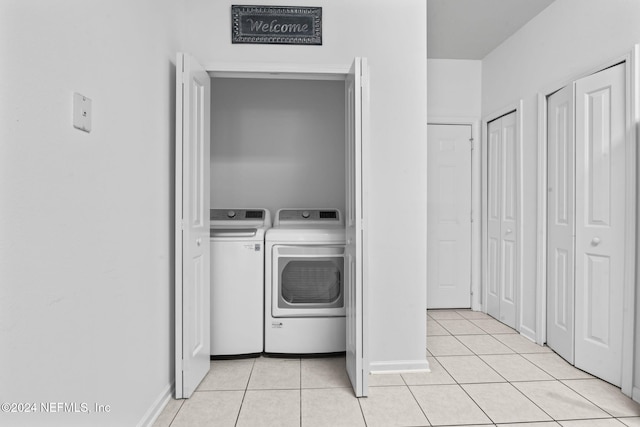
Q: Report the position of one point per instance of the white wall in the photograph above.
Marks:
(397, 155)
(277, 144)
(567, 39)
(454, 88)
(86, 287)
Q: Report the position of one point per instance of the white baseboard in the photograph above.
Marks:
(399, 367)
(158, 405)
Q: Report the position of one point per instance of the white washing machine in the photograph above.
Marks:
(237, 280)
(304, 282)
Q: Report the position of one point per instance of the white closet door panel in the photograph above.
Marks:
(449, 216)
(356, 92)
(600, 184)
(502, 207)
(509, 230)
(560, 223)
(494, 239)
(192, 225)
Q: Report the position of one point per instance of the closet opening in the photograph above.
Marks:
(262, 140)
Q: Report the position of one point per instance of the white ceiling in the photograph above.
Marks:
(470, 29)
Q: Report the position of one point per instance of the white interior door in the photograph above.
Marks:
(560, 222)
(502, 230)
(356, 130)
(449, 216)
(192, 224)
(600, 190)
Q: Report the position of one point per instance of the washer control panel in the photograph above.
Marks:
(236, 214)
(239, 218)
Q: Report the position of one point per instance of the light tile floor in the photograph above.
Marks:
(482, 373)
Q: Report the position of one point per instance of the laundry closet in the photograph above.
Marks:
(277, 151)
(255, 144)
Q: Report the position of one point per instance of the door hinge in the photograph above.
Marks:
(471, 142)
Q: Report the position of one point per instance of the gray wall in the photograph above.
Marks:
(277, 143)
(86, 219)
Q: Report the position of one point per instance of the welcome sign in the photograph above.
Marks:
(276, 25)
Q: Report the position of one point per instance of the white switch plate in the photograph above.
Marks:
(81, 112)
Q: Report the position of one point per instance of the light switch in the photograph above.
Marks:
(81, 112)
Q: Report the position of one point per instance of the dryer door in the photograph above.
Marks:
(308, 281)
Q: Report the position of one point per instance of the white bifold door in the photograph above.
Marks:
(585, 307)
(356, 99)
(448, 216)
(560, 222)
(502, 219)
(192, 225)
(600, 191)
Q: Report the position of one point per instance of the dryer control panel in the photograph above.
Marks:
(313, 216)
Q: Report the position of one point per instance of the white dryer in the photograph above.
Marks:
(304, 282)
(237, 280)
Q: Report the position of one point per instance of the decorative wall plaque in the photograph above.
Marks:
(276, 25)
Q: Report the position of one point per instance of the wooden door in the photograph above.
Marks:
(449, 216)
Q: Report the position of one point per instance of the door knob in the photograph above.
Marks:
(595, 241)
(509, 231)
(199, 242)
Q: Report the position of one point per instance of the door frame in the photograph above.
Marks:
(632, 76)
(518, 108)
(336, 72)
(476, 202)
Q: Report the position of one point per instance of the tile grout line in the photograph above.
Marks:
(462, 388)
(522, 393)
(364, 419)
(586, 398)
(549, 373)
(244, 393)
(526, 360)
(176, 414)
(416, 400)
(508, 382)
(554, 379)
